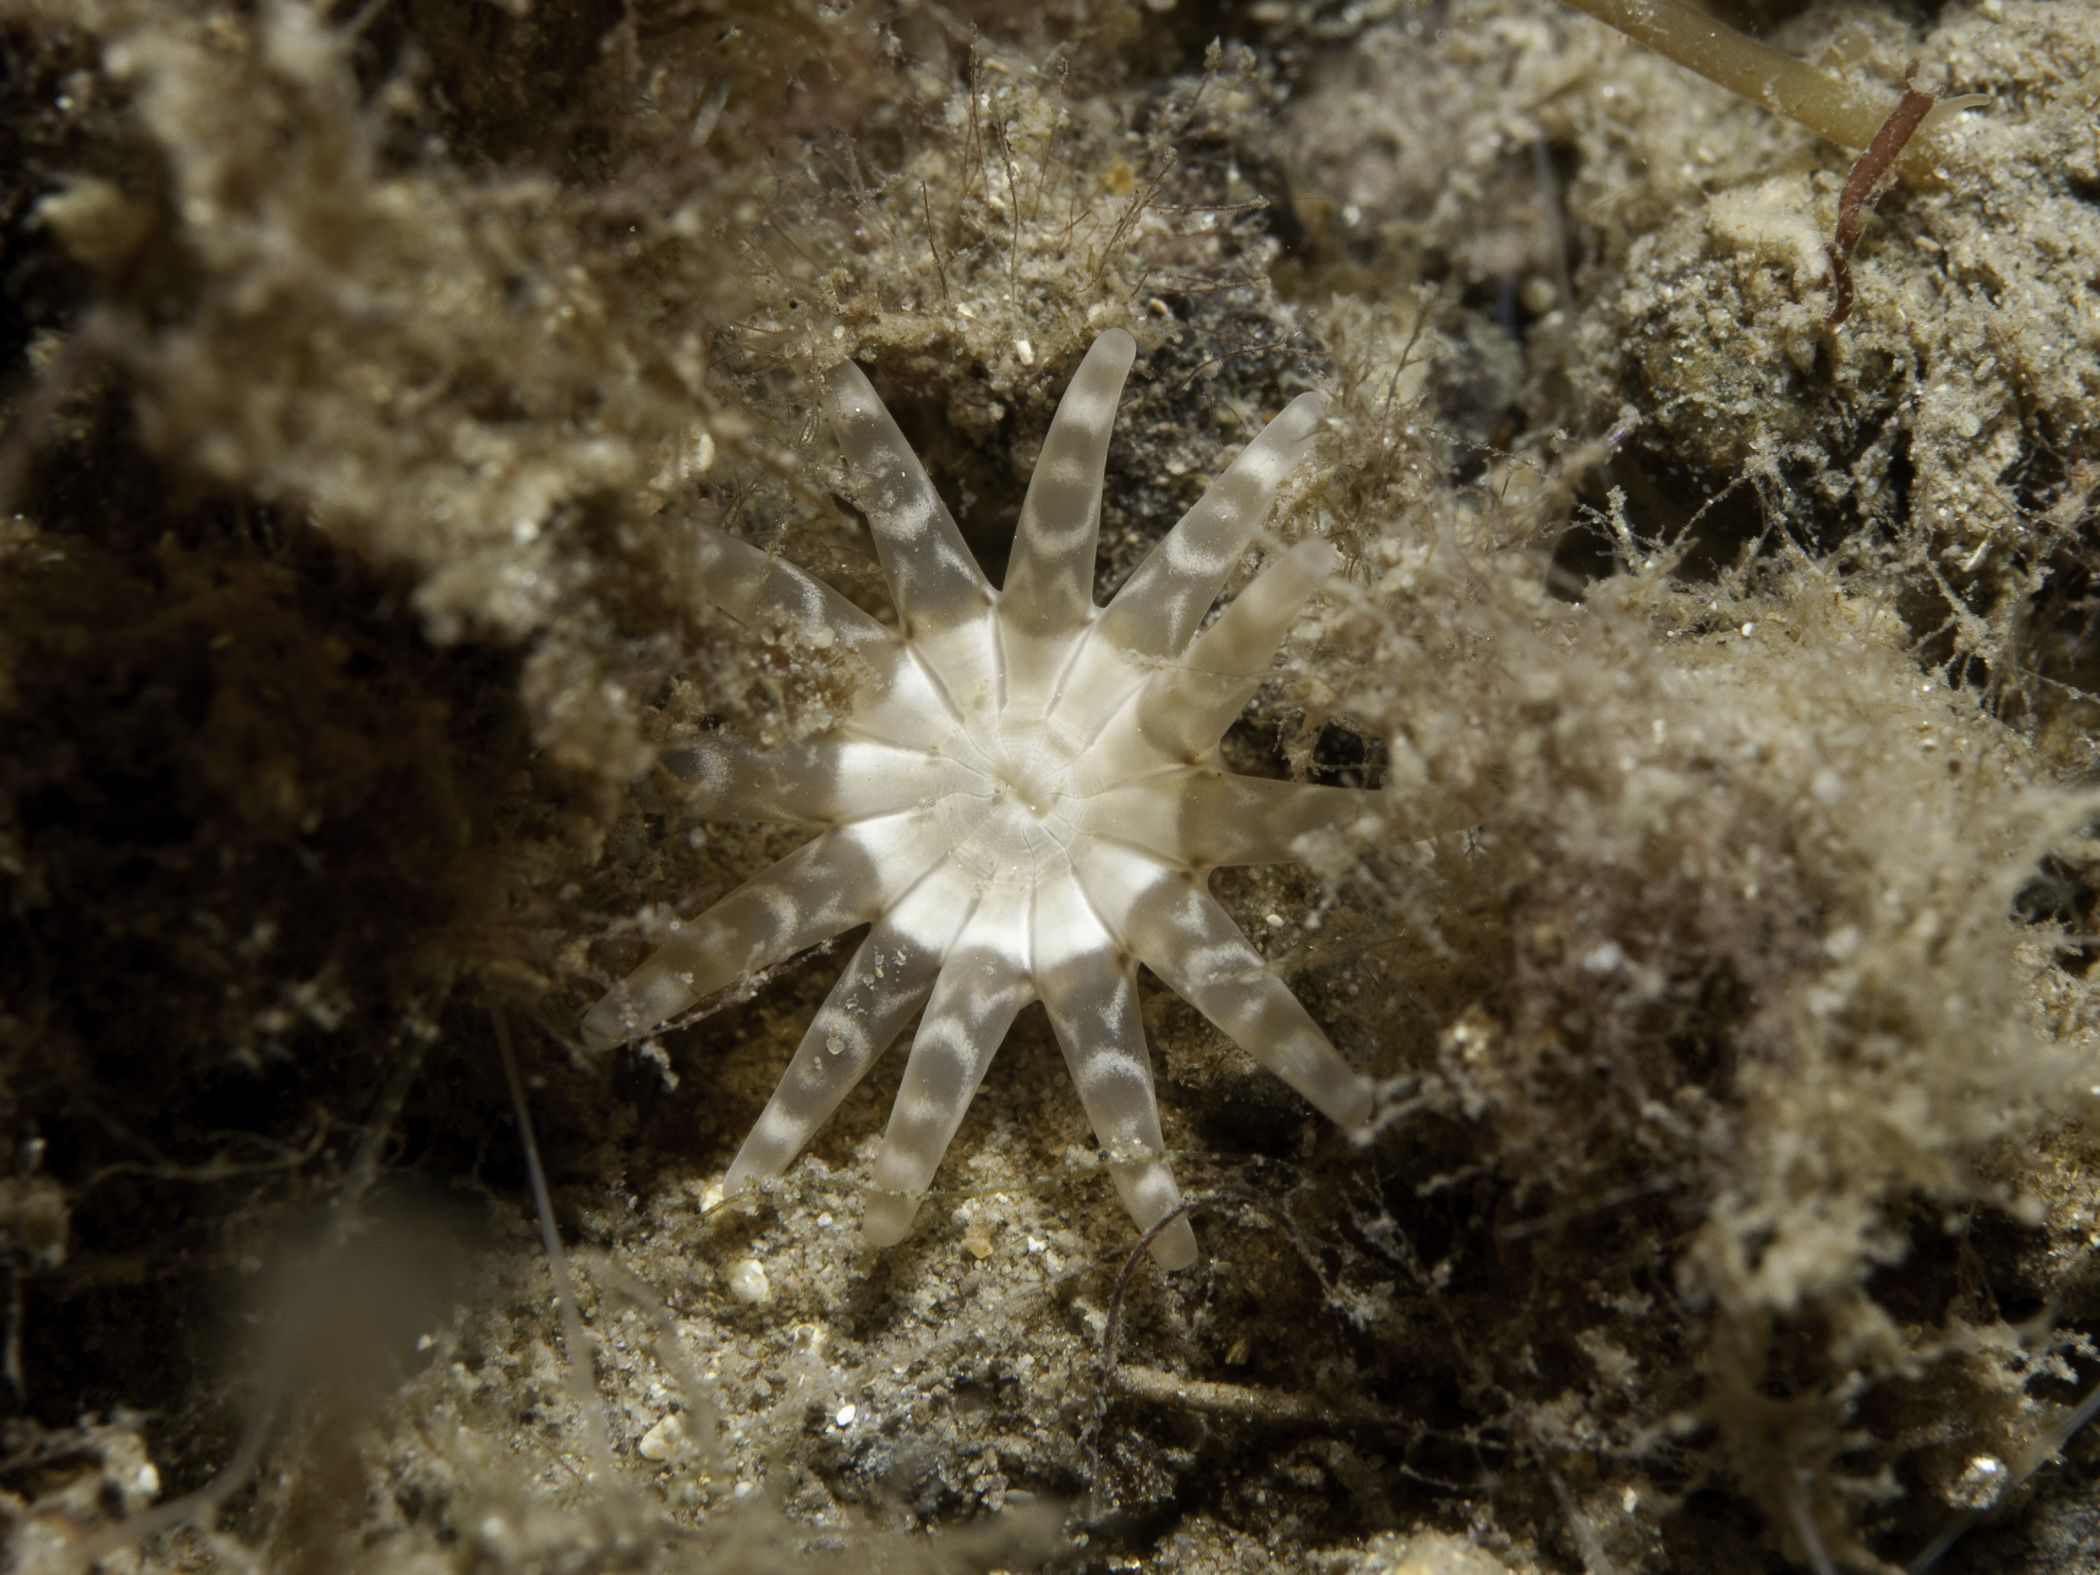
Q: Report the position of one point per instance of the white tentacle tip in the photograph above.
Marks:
(1175, 1247)
(611, 1023)
(888, 1218)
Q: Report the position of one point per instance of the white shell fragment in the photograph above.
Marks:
(1026, 806)
(665, 1441)
(746, 1282)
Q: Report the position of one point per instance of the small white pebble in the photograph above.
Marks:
(823, 1219)
(1980, 1483)
(846, 1415)
(662, 1441)
(1024, 352)
(1273, 920)
(1037, 1244)
(1749, 628)
(748, 1283)
(745, 1489)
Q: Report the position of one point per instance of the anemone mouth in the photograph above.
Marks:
(1029, 794)
(1031, 820)
(1029, 770)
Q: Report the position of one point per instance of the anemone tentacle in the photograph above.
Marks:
(1048, 599)
(981, 989)
(1025, 803)
(882, 989)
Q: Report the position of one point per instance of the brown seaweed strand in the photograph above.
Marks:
(1860, 185)
(933, 241)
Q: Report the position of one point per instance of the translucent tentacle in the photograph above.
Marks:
(942, 596)
(908, 706)
(1200, 954)
(1048, 595)
(819, 782)
(981, 988)
(888, 980)
(1159, 608)
(748, 584)
(1210, 818)
(1178, 931)
(843, 878)
(1089, 988)
(902, 706)
(1184, 709)
(1157, 612)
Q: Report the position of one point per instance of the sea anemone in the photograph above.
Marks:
(1026, 803)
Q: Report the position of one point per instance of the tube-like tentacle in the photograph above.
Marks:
(907, 705)
(1178, 715)
(901, 706)
(1158, 610)
(1177, 929)
(1049, 592)
(1209, 818)
(942, 597)
(1089, 989)
(1161, 605)
(1200, 954)
(982, 987)
(1184, 709)
(820, 781)
(845, 877)
(888, 980)
(749, 584)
